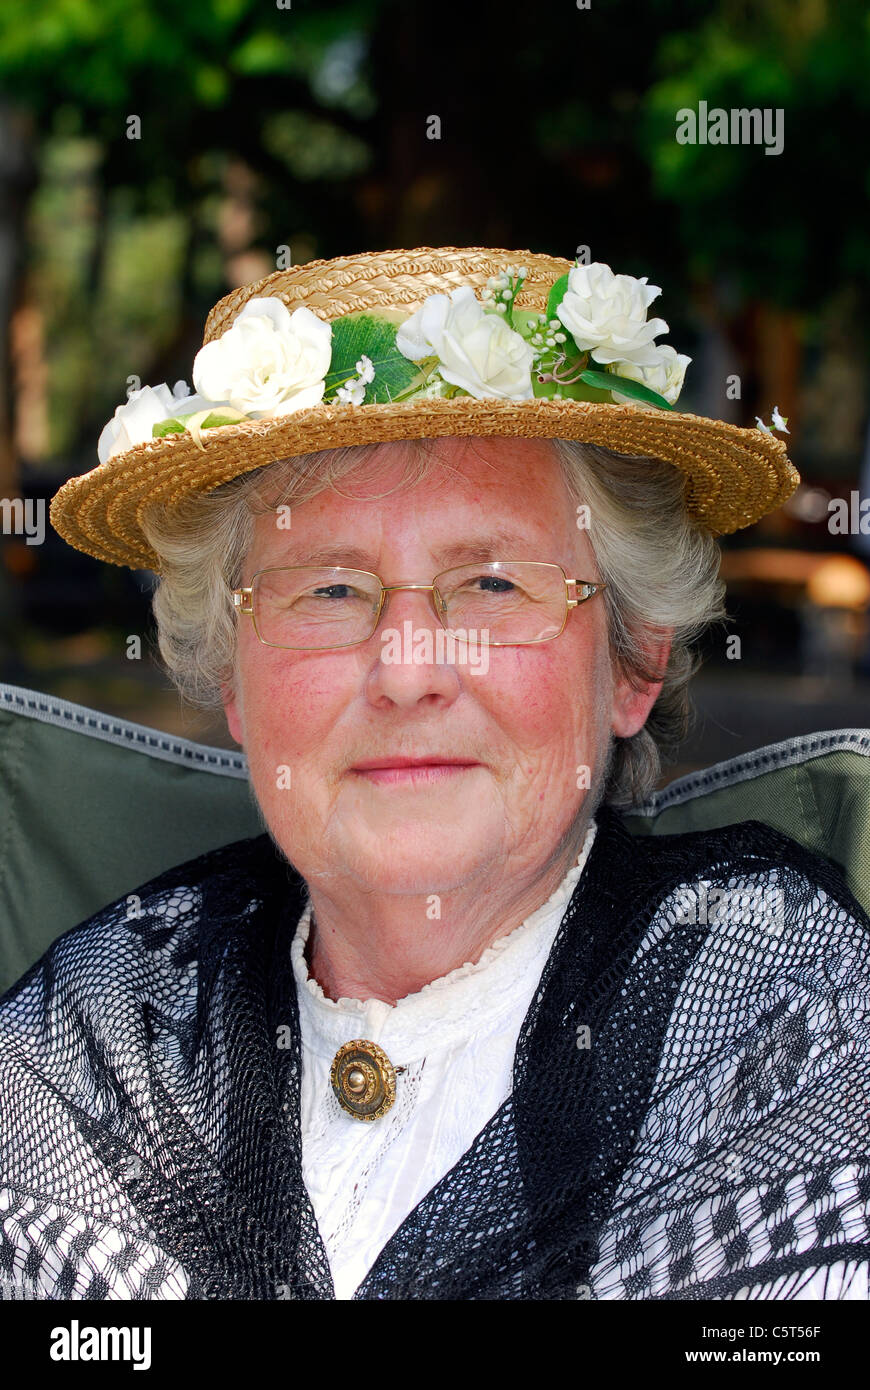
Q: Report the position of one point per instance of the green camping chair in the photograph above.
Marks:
(94, 806)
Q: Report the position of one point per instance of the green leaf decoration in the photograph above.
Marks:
(609, 381)
(218, 418)
(556, 295)
(356, 334)
(177, 424)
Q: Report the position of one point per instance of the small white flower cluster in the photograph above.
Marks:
(546, 334)
(779, 422)
(353, 391)
(500, 289)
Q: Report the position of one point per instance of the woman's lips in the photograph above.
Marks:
(404, 772)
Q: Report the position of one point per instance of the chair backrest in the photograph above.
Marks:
(91, 807)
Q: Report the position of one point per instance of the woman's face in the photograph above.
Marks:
(526, 727)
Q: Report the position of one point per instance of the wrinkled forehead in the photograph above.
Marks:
(459, 500)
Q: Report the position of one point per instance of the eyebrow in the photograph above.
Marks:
(498, 544)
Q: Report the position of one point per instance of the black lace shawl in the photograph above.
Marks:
(707, 1135)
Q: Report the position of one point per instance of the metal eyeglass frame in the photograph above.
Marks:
(584, 589)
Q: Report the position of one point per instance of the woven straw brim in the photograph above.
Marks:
(735, 476)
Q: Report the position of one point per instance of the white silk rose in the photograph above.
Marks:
(476, 350)
(150, 405)
(269, 362)
(606, 314)
(665, 375)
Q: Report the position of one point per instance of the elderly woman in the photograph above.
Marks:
(445, 1030)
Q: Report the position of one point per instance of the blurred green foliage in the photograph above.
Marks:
(123, 233)
(795, 224)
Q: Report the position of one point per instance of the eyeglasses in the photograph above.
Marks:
(504, 603)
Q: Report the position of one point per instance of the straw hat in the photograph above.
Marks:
(735, 475)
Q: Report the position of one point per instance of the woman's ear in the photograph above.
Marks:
(631, 704)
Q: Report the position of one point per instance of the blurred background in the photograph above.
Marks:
(304, 132)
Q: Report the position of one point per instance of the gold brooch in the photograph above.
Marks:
(363, 1079)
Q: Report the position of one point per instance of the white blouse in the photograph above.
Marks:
(457, 1037)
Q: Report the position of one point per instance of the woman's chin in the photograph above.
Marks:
(423, 857)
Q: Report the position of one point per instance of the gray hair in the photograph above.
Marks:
(662, 571)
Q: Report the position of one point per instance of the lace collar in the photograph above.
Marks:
(467, 1000)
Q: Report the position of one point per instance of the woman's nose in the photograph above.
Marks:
(417, 603)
